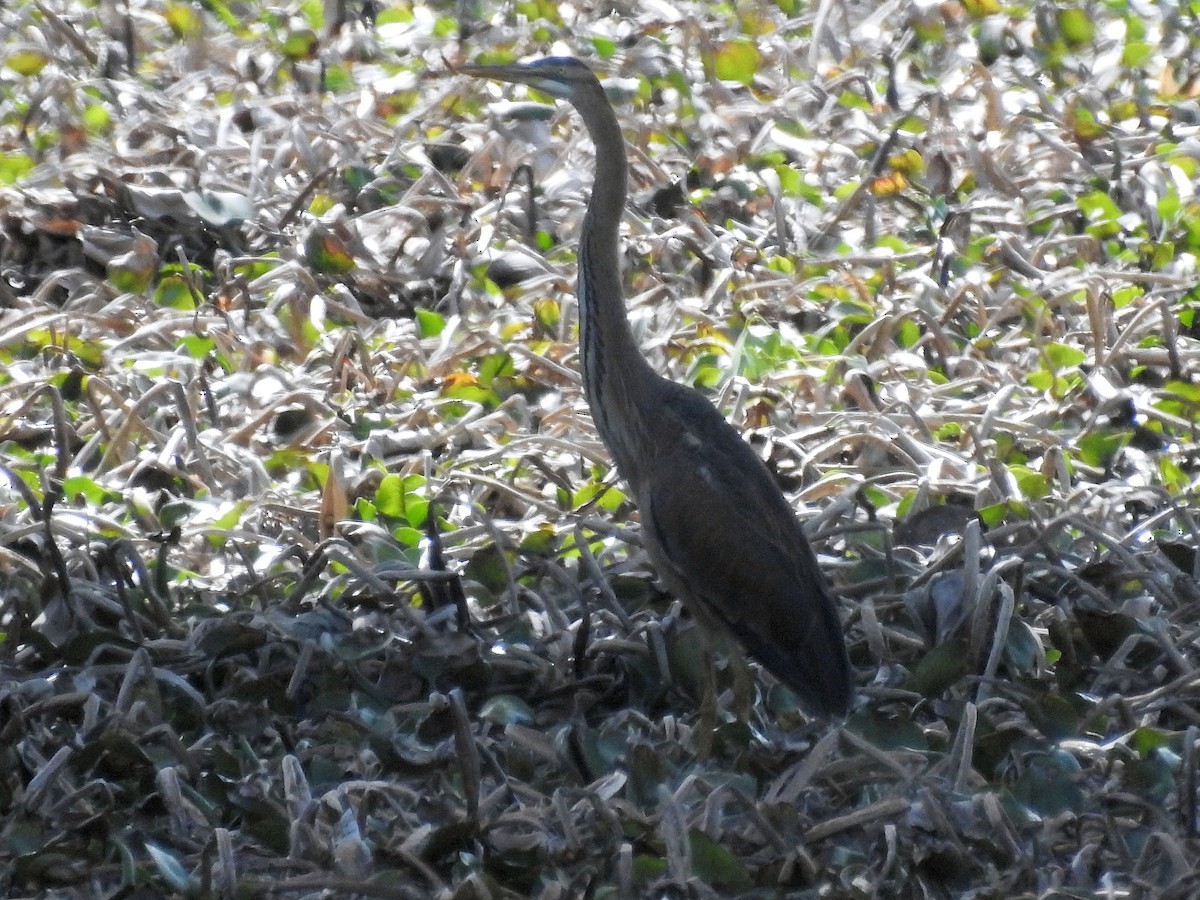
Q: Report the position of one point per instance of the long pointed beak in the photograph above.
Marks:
(513, 72)
(519, 73)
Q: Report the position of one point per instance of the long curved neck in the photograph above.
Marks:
(614, 370)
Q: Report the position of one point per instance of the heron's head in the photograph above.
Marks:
(558, 76)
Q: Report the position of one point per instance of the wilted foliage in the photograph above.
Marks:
(314, 577)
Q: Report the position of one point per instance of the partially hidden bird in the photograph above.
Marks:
(715, 524)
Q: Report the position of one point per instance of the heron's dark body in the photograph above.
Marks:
(715, 524)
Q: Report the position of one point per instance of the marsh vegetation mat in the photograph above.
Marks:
(315, 580)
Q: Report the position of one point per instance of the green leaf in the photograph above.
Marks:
(1099, 448)
(1183, 389)
(997, 513)
(389, 496)
(408, 536)
(611, 500)
(736, 60)
(1054, 715)
(1153, 777)
(715, 864)
(1048, 785)
(183, 20)
(938, 669)
(487, 567)
(648, 868)
(1147, 740)
(366, 510)
(875, 495)
(548, 313)
(339, 78)
(1136, 54)
(586, 494)
(1101, 213)
(299, 43)
(496, 365)
(950, 432)
(1077, 27)
(221, 10)
(980, 8)
(604, 47)
(197, 346)
(402, 498)
(13, 166)
(81, 486)
(90, 353)
(416, 509)
(227, 521)
(888, 730)
(851, 100)
(1041, 379)
(26, 62)
(399, 15)
(1173, 478)
(1020, 648)
(173, 292)
(1031, 483)
(1123, 296)
(96, 118)
(542, 541)
(1064, 356)
(175, 513)
(791, 180)
(429, 323)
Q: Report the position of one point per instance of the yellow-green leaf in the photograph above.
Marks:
(736, 61)
(173, 291)
(1064, 356)
(182, 19)
(1077, 27)
(13, 166)
(27, 62)
(429, 323)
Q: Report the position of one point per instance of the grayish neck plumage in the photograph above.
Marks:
(613, 366)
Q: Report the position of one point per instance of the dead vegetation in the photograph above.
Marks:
(314, 579)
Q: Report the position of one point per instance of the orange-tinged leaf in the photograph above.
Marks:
(58, 225)
(328, 253)
(460, 379)
(888, 185)
(465, 386)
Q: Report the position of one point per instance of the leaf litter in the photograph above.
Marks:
(315, 579)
